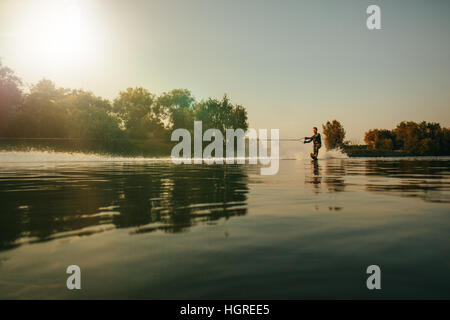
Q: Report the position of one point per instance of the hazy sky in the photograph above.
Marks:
(292, 64)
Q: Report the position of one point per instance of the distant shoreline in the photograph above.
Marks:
(156, 147)
(362, 151)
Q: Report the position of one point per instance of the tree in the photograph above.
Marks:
(334, 134)
(445, 141)
(420, 138)
(92, 117)
(239, 118)
(221, 115)
(424, 138)
(10, 96)
(141, 117)
(42, 114)
(177, 105)
(380, 139)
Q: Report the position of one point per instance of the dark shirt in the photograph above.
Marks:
(315, 139)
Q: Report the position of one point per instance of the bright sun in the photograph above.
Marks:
(54, 33)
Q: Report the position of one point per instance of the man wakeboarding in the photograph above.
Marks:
(317, 143)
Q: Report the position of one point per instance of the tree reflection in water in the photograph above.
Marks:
(422, 178)
(44, 204)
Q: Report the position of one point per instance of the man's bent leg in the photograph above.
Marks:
(316, 151)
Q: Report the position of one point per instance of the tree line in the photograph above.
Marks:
(408, 138)
(423, 138)
(48, 111)
(138, 119)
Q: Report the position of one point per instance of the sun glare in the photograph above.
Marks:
(54, 33)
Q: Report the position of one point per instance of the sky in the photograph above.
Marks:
(292, 64)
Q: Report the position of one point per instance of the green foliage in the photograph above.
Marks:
(380, 139)
(239, 118)
(41, 114)
(136, 122)
(334, 134)
(178, 105)
(413, 138)
(221, 115)
(10, 96)
(92, 117)
(141, 117)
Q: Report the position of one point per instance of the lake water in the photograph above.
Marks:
(149, 229)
